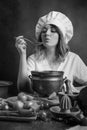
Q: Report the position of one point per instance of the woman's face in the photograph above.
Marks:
(49, 36)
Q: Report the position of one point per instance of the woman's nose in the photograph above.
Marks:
(48, 32)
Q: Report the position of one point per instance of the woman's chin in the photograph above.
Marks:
(49, 45)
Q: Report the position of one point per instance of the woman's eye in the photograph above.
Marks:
(53, 29)
(44, 30)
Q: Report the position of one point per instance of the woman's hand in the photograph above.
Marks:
(21, 45)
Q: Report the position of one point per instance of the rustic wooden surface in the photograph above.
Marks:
(33, 125)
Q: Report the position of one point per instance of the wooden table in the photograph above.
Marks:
(33, 125)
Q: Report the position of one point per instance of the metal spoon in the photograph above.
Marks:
(30, 40)
(33, 41)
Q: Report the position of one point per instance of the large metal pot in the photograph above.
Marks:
(47, 82)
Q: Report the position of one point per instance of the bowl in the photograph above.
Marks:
(57, 113)
(47, 82)
(75, 111)
(71, 118)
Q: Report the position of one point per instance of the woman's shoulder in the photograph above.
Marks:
(73, 55)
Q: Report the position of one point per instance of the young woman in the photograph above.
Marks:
(54, 31)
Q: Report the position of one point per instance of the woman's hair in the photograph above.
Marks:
(61, 49)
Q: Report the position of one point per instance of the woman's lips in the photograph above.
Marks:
(47, 39)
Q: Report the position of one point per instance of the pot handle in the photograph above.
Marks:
(64, 80)
(67, 88)
(30, 76)
(62, 88)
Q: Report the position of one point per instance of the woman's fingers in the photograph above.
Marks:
(19, 37)
(20, 40)
(20, 44)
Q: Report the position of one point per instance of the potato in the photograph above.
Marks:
(27, 104)
(15, 105)
(29, 97)
(19, 104)
(31, 104)
(22, 96)
(25, 97)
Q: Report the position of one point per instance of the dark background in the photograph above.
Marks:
(19, 17)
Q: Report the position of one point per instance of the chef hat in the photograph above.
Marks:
(58, 19)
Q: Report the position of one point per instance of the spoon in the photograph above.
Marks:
(33, 41)
(30, 40)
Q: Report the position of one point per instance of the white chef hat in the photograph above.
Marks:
(58, 19)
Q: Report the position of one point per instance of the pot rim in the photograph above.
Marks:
(5, 83)
(47, 73)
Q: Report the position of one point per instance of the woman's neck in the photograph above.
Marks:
(50, 54)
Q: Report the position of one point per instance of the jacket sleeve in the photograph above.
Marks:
(30, 64)
(80, 74)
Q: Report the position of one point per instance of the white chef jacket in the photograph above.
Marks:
(74, 68)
